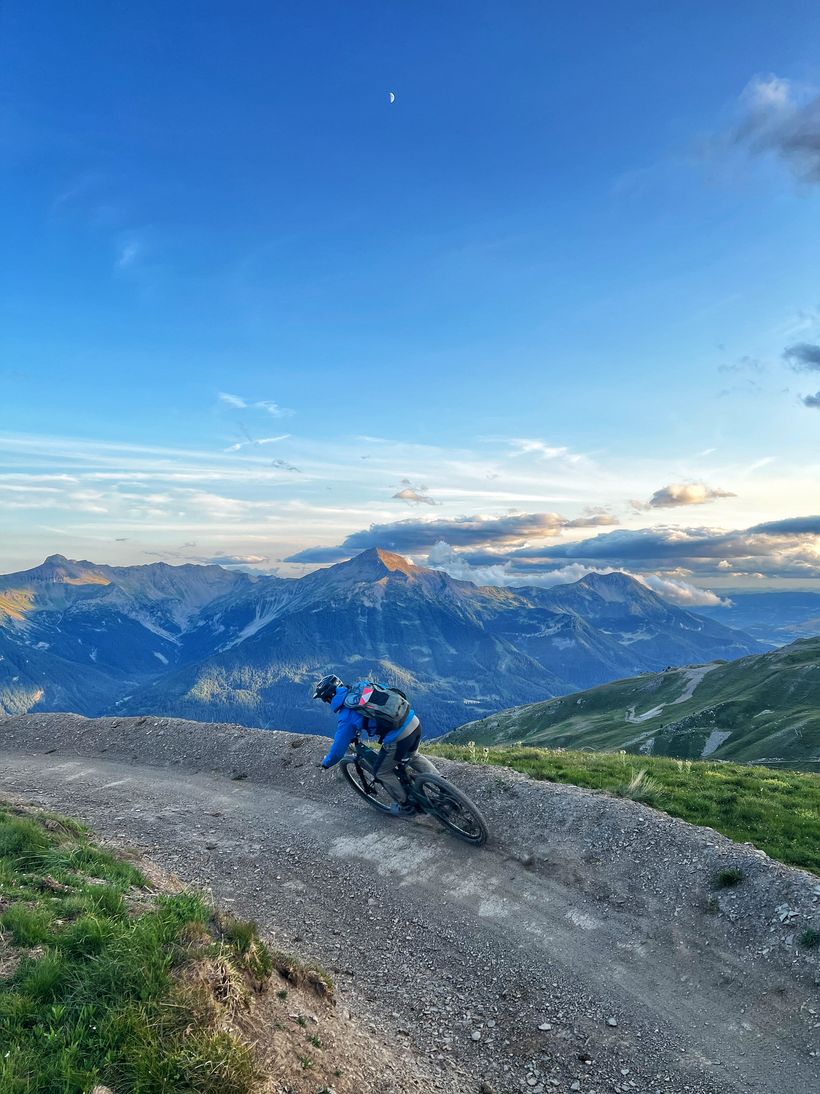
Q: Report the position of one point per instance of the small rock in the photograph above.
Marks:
(611, 1021)
(575, 1086)
(485, 1088)
(476, 1035)
(545, 1025)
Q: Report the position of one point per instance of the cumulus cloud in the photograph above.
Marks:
(415, 495)
(791, 526)
(238, 402)
(444, 557)
(412, 536)
(675, 591)
(812, 401)
(803, 356)
(682, 493)
(785, 548)
(682, 593)
(781, 118)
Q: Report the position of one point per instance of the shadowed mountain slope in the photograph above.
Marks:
(206, 643)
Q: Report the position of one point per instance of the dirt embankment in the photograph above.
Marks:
(587, 948)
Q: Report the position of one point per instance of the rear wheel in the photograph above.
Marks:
(452, 809)
(367, 787)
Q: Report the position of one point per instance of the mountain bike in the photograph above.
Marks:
(426, 791)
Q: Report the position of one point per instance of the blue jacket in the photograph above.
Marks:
(349, 722)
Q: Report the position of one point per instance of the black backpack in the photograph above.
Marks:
(388, 707)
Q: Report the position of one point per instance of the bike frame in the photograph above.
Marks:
(367, 778)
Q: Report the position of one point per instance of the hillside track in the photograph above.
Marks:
(588, 930)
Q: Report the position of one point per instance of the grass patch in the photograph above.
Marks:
(777, 811)
(810, 938)
(103, 998)
(729, 878)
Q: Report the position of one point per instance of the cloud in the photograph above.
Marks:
(523, 446)
(237, 402)
(262, 440)
(416, 495)
(812, 400)
(803, 357)
(683, 493)
(781, 118)
(743, 364)
(233, 400)
(444, 557)
(681, 593)
(283, 465)
(127, 254)
(785, 548)
(236, 560)
(791, 526)
(409, 536)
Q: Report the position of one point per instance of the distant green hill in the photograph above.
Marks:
(764, 708)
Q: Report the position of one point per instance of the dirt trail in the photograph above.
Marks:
(587, 931)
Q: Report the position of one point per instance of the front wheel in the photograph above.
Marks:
(451, 808)
(367, 787)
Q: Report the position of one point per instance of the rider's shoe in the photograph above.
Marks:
(397, 810)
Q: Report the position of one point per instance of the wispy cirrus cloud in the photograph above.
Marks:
(523, 446)
(251, 443)
(238, 402)
(128, 252)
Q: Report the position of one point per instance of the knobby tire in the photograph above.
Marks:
(449, 806)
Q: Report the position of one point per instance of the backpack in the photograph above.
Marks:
(387, 706)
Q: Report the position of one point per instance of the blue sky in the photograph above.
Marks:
(558, 275)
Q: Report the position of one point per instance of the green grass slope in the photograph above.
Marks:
(108, 984)
(761, 709)
(777, 811)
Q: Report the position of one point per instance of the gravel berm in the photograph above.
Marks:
(586, 948)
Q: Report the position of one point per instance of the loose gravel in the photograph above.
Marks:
(587, 948)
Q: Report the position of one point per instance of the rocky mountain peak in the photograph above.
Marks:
(376, 563)
(615, 585)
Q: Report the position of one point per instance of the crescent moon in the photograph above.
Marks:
(392, 97)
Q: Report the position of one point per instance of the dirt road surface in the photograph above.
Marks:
(585, 949)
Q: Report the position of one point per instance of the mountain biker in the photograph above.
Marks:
(397, 745)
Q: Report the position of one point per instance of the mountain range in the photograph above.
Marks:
(212, 644)
(775, 617)
(763, 709)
